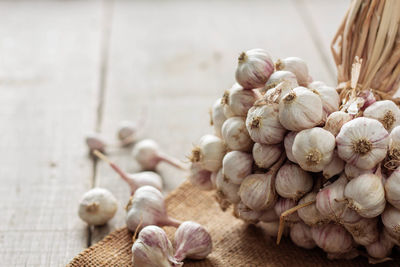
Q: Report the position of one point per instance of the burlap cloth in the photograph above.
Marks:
(235, 243)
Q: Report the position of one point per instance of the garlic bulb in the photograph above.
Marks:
(300, 109)
(97, 206)
(292, 181)
(328, 199)
(391, 221)
(200, 177)
(95, 141)
(126, 132)
(393, 159)
(352, 171)
(236, 166)
(365, 231)
(245, 213)
(384, 111)
(153, 249)
(366, 195)
(335, 167)
(284, 204)
(310, 214)
(313, 149)
(263, 124)
(209, 152)
(297, 66)
(274, 95)
(235, 134)
(392, 188)
(382, 247)
(329, 97)
(332, 238)
(268, 215)
(257, 191)
(362, 142)
(266, 155)
(281, 76)
(226, 190)
(254, 68)
(192, 241)
(238, 100)
(300, 234)
(335, 121)
(217, 117)
(288, 143)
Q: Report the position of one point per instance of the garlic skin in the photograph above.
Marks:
(310, 214)
(282, 205)
(281, 76)
(386, 112)
(335, 121)
(393, 159)
(352, 171)
(254, 68)
(362, 142)
(292, 181)
(238, 100)
(300, 109)
(97, 206)
(391, 221)
(313, 149)
(152, 248)
(274, 95)
(235, 134)
(200, 177)
(245, 213)
(297, 66)
(329, 97)
(327, 197)
(236, 166)
(288, 143)
(392, 188)
(218, 117)
(332, 238)
(145, 178)
(257, 191)
(366, 195)
(227, 190)
(335, 167)
(95, 141)
(209, 152)
(301, 236)
(364, 231)
(269, 215)
(263, 124)
(126, 132)
(192, 241)
(266, 155)
(381, 248)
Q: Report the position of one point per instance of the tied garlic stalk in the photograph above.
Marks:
(235, 134)
(266, 155)
(209, 153)
(297, 66)
(292, 181)
(237, 101)
(281, 76)
(284, 204)
(386, 112)
(236, 166)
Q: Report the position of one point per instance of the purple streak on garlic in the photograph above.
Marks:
(335, 121)
(365, 231)
(227, 190)
(263, 124)
(266, 155)
(352, 171)
(209, 153)
(245, 213)
(313, 149)
(153, 248)
(282, 205)
(392, 188)
(292, 181)
(192, 241)
(335, 167)
(382, 247)
(386, 112)
(257, 191)
(310, 214)
(238, 101)
(288, 143)
(300, 109)
(301, 236)
(391, 221)
(271, 229)
(269, 215)
(327, 199)
(297, 66)
(254, 68)
(95, 141)
(237, 165)
(332, 238)
(235, 134)
(200, 177)
(329, 97)
(278, 77)
(362, 142)
(218, 117)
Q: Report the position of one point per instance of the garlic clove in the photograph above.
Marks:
(310, 214)
(236, 166)
(335, 121)
(218, 117)
(235, 134)
(257, 191)
(335, 167)
(301, 236)
(238, 101)
(254, 68)
(382, 247)
(288, 143)
(292, 181)
(329, 199)
(332, 238)
(297, 66)
(386, 112)
(200, 177)
(300, 109)
(269, 215)
(245, 213)
(278, 77)
(362, 142)
(192, 241)
(392, 188)
(227, 190)
(353, 172)
(95, 141)
(391, 221)
(284, 204)
(313, 149)
(209, 152)
(266, 155)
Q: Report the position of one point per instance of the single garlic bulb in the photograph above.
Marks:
(382, 247)
(391, 221)
(268, 215)
(300, 234)
(152, 248)
(284, 204)
(288, 143)
(238, 101)
(335, 167)
(384, 111)
(392, 188)
(263, 124)
(328, 199)
(236, 166)
(329, 97)
(332, 238)
(245, 213)
(209, 152)
(393, 157)
(235, 134)
(292, 181)
(257, 191)
(310, 214)
(313, 149)
(281, 76)
(300, 109)
(365, 231)
(254, 68)
(97, 206)
(192, 241)
(200, 177)
(126, 132)
(352, 171)
(227, 190)
(95, 141)
(218, 117)
(297, 66)
(362, 142)
(266, 155)
(335, 121)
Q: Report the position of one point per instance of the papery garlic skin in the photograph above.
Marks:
(391, 221)
(366, 195)
(362, 142)
(235, 134)
(245, 213)
(200, 177)
(268, 215)
(237, 165)
(381, 248)
(266, 155)
(392, 188)
(329, 97)
(192, 241)
(292, 182)
(217, 117)
(332, 238)
(335, 121)
(313, 149)
(352, 171)
(226, 189)
(310, 214)
(335, 167)
(281, 76)
(300, 109)
(297, 66)
(254, 68)
(284, 204)
(301, 236)
(263, 124)
(238, 101)
(209, 152)
(327, 197)
(257, 191)
(288, 143)
(386, 112)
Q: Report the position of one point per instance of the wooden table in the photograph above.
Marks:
(69, 67)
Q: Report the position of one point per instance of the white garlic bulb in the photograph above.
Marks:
(300, 234)
(235, 134)
(257, 191)
(263, 124)
(200, 177)
(362, 142)
(254, 68)
(391, 221)
(329, 198)
(268, 215)
(332, 238)
(335, 121)
(236, 166)
(384, 111)
(281, 76)
(266, 155)
(209, 152)
(292, 181)
(288, 143)
(313, 149)
(217, 117)
(97, 206)
(393, 159)
(284, 204)
(365, 231)
(300, 109)
(238, 100)
(297, 66)
(227, 190)
(392, 188)
(335, 167)
(329, 97)
(310, 214)
(126, 132)
(352, 171)
(245, 213)
(382, 247)
(366, 195)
